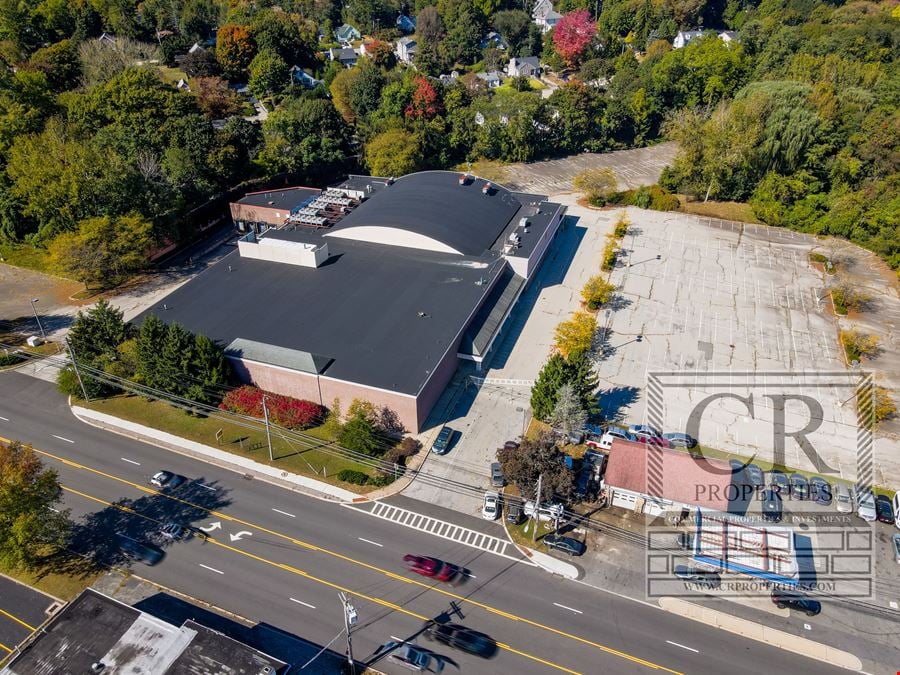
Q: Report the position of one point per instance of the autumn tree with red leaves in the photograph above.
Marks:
(573, 35)
(425, 101)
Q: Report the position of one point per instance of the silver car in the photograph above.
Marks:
(865, 505)
(843, 500)
(895, 540)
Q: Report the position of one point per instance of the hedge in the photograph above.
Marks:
(285, 411)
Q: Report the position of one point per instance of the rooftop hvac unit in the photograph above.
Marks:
(523, 222)
(514, 238)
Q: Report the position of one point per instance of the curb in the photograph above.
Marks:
(536, 559)
(308, 491)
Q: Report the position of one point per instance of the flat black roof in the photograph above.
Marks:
(361, 308)
(212, 653)
(435, 205)
(285, 199)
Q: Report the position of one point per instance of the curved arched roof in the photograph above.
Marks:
(430, 210)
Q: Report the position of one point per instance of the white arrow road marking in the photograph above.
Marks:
(571, 609)
(67, 440)
(305, 604)
(212, 526)
(284, 513)
(369, 541)
(690, 649)
(130, 461)
(240, 535)
(211, 569)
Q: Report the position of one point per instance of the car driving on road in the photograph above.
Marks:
(431, 567)
(138, 550)
(166, 479)
(412, 657)
(463, 638)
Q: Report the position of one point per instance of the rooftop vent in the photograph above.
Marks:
(421, 314)
(389, 181)
(463, 178)
(97, 667)
(270, 203)
(486, 189)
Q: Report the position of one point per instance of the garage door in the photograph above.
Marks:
(623, 500)
(653, 509)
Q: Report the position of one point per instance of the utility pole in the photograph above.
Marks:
(268, 431)
(537, 508)
(38, 319)
(77, 372)
(349, 621)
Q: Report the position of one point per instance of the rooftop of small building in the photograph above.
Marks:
(284, 199)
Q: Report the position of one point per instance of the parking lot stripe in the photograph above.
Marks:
(16, 619)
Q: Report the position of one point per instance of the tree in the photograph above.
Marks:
(553, 375)
(305, 136)
(597, 291)
(393, 153)
(365, 90)
(209, 371)
(532, 459)
(596, 184)
(201, 63)
(580, 109)
(32, 526)
(429, 27)
(381, 54)
(175, 358)
(269, 74)
(333, 422)
(513, 25)
(858, 345)
(104, 251)
(425, 101)
(573, 34)
(234, 49)
(59, 62)
(215, 98)
(149, 344)
(884, 406)
(340, 89)
(569, 415)
(359, 434)
(575, 336)
(98, 332)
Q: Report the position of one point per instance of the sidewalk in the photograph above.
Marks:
(290, 481)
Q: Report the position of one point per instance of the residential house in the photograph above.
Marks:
(347, 56)
(544, 15)
(684, 37)
(347, 34)
(524, 66)
(728, 36)
(107, 39)
(406, 49)
(447, 79)
(492, 79)
(303, 78)
(406, 24)
(492, 40)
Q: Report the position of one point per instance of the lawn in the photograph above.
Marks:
(725, 210)
(485, 168)
(294, 456)
(536, 85)
(23, 255)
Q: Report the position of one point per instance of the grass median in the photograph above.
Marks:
(314, 459)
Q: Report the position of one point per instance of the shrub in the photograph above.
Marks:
(285, 411)
(885, 408)
(847, 297)
(610, 252)
(622, 225)
(574, 337)
(353, 477)
(10, 359)
(408, 447)
(596, 292)
(663, 201)
(596, 184)
(642, 198)
(856, 344)
(648, 197)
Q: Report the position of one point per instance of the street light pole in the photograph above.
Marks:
(350, 617)
(38, 319)
(268, 431)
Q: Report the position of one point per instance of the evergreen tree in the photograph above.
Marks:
(546, 387)
(360, 434)
(98, 332)
(150, 341)
(569, 414)
(208, 371)
(583, 379)
(175, 359)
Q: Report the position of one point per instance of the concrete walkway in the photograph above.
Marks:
(290, 481)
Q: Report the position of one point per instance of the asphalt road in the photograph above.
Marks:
(282, 558)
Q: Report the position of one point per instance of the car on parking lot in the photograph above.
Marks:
(412, 657)
(643, 429)
(698, 576)
(755, 476)
(895, 542)
(778, 481)
(680, 440)
(820, 490)
(568, 545)
(166, 479)
(772, 506)
(883, 510)
(431, 567)
(497, 479)
(141, 551)
(843, 498)
(799, 486)
(176, 532)
(865, 505)
(490, 506)
(793, 600)
(463, 638)
(648, 439)
(442, 443)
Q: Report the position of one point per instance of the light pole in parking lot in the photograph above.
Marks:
(38, 319)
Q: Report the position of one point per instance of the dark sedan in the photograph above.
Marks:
(564, 544)
(755, 476)
(778, 481)
(465, 639)
(820, 490)
(796, 601)
(698, 576)
(799, 486)
(139, 550)
(883, 510)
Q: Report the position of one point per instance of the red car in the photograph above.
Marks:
(431, 567)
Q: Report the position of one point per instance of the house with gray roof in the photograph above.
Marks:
(524, 66)
(347, 34)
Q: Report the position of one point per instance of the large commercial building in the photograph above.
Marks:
(373, 289)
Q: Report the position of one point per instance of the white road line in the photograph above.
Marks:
(67, 440)
(204, 485)
(690, 649)
(130, 461)
(571, 609)
(470, 575)
(5, 419)
(284, 513)
(369, 541)
(300, 602)
(211, 569)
